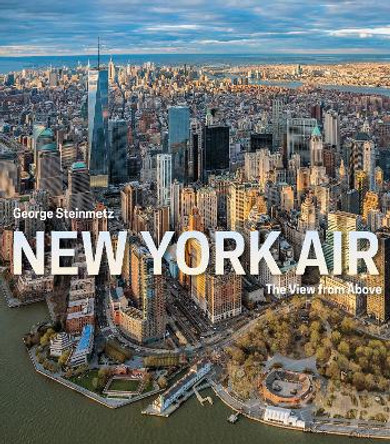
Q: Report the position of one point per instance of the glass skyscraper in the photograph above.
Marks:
(117, 137)
(178, 135)
(98, 127)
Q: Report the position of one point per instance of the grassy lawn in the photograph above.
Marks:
(86, 380)
(125, 385)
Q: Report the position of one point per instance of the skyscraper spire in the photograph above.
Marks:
(98, 63)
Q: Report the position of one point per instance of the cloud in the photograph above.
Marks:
(362, 32)
(189, 26)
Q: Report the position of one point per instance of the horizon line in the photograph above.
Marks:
(289, 54)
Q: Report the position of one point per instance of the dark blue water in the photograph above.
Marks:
(8, 64)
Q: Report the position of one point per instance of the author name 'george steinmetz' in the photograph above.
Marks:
(63, 213)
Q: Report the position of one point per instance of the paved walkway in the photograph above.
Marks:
(296, 365)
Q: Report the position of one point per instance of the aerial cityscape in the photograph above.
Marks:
(125, 139)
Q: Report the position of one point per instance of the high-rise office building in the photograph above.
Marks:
(9, 175)
(68, 154)
(188, 202)
(240, 200)
(216, 148)
(308, 219)
(148, 294)
(299, 131)
(195, 151)
(260, 141)
(207, 203)
(223, 296)
(344, 222)
(48, 173)
(332, 129)
(111, 71)
(378, 305)
(79, 194)
(41, 137)
(131, 196)
(316, 148)
(175, 204)
(178, 136)
(277, 123)
(117, 142)
(370, 202)
(98, 127)
(362, 156)
(164, 178)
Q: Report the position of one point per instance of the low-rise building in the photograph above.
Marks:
(59, 344)
(283, 416)
(84, 347)
(80, 314)
(194, 375)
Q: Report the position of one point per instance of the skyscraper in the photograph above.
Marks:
(178, 136)
(79, 194)
(117, 142)
(164, 178)
(49, 175)
(316, 148)
(207, 204)
(175, 204)
(215, 148)
(362, 155)
(41, 136)
(277, 123)
(332, 129)
(298, 136)
(223, 296)
(344, 222)
(111, 71)
(9, 175)
(148, 293)
(378, 305)
(98, 127)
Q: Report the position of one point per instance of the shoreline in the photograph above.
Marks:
(116, 403)
(357, 433)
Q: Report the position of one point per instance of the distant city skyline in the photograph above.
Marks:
(194, 26)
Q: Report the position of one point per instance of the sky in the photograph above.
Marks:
(62, 27)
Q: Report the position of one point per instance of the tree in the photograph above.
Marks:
(322, 353)
(343, 348)
(335, 337)
(162, 382)
(238, 355)
(309, 349)
(347, 325)
(44, 340)
(364, 364)
(359, 381)
(303, 330)
(63, 358)
(315, 326)
(333, 371)
(383, 384)
(370, 382)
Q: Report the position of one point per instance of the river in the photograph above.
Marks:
(35, 410)
(369, 90)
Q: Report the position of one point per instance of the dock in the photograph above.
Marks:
(233, 418)
(199, 396)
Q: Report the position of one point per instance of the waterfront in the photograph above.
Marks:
(18, 63)
(36, 410)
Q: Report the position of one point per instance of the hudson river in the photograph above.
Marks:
(35, 410)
